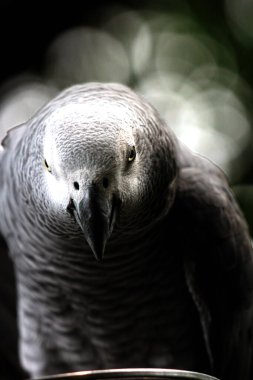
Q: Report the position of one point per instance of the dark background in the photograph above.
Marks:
(27, 28)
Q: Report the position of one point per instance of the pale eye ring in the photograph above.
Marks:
(47, 166)
(132, 154)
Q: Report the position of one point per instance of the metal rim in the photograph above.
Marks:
(129, 373)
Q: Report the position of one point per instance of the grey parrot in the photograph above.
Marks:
(129, 250)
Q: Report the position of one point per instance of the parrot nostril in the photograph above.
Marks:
(71, 207)
(76, 185)
(105, 182)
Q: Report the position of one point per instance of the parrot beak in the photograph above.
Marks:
(96, 216)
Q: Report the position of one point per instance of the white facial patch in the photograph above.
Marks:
(56, 185)
(50, 152)
(57, 190)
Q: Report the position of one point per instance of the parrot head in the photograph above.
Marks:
(99, 160)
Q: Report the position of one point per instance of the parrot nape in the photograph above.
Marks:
(129, 250)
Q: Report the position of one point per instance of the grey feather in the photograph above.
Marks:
(98, 170)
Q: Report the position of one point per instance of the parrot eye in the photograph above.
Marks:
(132, 154)
(47, 166)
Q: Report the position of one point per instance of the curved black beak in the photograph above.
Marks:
(96, 216)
